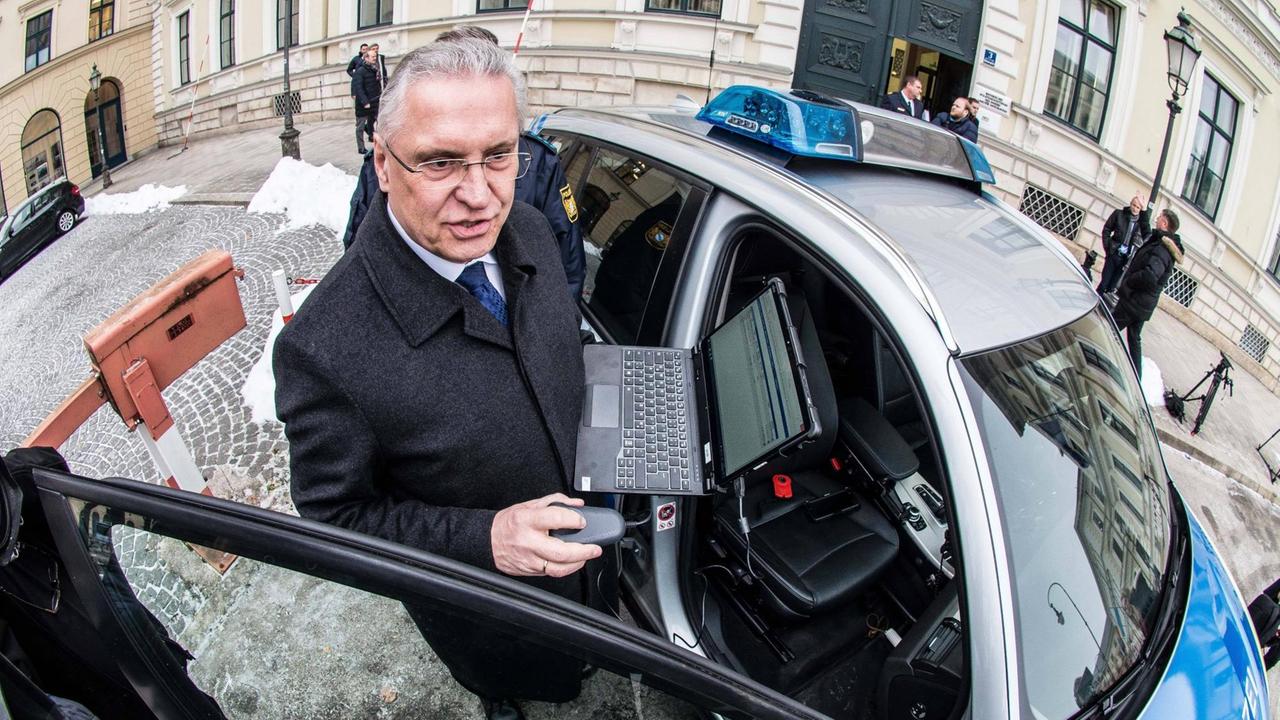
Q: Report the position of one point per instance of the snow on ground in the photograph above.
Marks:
(259, 389)
(1152, 382)
(146, 198)
(306, 194)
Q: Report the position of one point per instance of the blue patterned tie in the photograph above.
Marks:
(477, 283)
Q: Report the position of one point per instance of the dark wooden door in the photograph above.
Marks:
(843, 47)
(844, 44)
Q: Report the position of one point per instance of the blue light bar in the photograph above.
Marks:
(797, 122)
(978, 162)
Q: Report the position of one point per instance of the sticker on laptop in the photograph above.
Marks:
(666, 516)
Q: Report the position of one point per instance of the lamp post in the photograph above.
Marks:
(289, 138)
(1062, 620)
(95, 81)
(1184, 51)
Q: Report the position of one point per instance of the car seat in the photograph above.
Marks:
(806, 563)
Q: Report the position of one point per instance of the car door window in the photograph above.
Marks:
(629, 209)
(301, 626)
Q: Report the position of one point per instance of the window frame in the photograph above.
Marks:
(46, 32)
(1274, 269)
(226, 33)
(378, 10)
(295, 24)
(1078, 81)
(684, 9)
(1215, 130)
(373, 565)
(100, 10)
(184, 47)
(507, 6)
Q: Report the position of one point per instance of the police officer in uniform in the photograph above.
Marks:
(543, 186)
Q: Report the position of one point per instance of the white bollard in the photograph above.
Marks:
(282, 295)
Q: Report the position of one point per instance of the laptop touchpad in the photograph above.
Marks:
(602, 406)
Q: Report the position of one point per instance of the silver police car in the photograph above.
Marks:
(985, 526)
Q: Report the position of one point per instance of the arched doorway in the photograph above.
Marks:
(102, 124)
(42, 150)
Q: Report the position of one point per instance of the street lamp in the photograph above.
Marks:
(1183, 54)
(1062, 620)
(95, 81)
(289, 146)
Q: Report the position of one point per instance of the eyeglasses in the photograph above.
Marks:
(449, 172)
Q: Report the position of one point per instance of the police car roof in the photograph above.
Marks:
(995, 276)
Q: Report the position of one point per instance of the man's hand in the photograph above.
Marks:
(522, 547)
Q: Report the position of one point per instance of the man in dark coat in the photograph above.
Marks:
(958, 120)
(366, 86)
(1265, 614)
(1122, 233)
(357, 60)
(543, 186)
(432, 385)
(907, 101)
(1141, 286)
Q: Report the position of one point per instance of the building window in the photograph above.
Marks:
(1275, 260)
(184, 48)
(1211, 151)
(377, 12)
(38, 35)
(1083, 57)
(102, 17)
(496, 5)
(42, 150)
(293, 29)
(688, 7)
(227, 32)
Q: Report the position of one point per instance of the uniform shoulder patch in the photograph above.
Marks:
(659, 234)
(570, 205)
(541, 141)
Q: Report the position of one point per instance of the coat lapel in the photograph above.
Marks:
(418, 299)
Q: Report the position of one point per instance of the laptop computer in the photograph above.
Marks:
(674, 421)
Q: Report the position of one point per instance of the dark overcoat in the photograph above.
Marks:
(367, 85)
(898, 103)
(413, 415)
(1113, 230)
(1148, 273)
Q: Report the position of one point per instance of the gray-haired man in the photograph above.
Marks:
(432, 386)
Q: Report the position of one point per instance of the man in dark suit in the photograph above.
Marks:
(1122, 233)
(432, 385)
(907, 101)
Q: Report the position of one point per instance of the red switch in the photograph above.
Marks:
(781, 486)
(836, 464)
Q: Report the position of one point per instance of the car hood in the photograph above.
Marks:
(1216, 668)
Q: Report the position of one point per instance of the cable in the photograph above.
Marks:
(702, 611)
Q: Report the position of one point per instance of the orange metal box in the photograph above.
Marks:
(172, 326)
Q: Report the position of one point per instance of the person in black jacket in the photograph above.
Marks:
(1141, 286)
(366, 85)
(958, 120)
(432, 386)
(1123, 232)
(355, 61)
(1265, 614)
(907, 101)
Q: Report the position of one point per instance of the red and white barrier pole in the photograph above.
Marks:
(523, 23)
(160, 435)
(282, 295)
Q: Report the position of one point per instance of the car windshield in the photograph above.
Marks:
(1082, 492)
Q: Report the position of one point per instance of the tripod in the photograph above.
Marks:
(1272, 472)
(1216, 377)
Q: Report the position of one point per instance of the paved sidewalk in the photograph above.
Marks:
(1237, 423)
(228, 168)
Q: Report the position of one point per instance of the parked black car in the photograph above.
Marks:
(46, 215)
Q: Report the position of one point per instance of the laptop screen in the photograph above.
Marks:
(758, 405)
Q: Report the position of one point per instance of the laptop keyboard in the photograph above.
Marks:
(655, 430)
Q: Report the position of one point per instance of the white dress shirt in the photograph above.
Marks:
(448, 269)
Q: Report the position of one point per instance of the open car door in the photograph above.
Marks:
(309, 621)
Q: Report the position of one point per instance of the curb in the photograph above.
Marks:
(1177, 442)
(233, 199)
